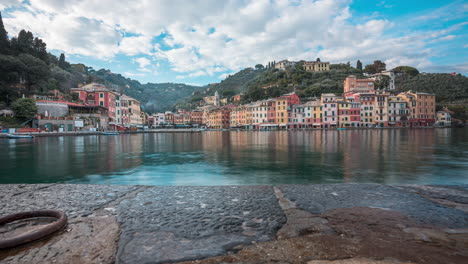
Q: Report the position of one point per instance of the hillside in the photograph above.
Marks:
(447, 87)
(233, 84)
(155, 97)
(262, 83)
(267, 83)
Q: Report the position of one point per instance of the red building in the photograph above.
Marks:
(271, 111)
(97, 94)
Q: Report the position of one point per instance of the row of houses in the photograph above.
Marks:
(96, 107)
(361, 105)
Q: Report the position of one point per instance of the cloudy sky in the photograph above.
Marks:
(201, 41)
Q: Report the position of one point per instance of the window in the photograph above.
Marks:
(101, 95)
(101, 103)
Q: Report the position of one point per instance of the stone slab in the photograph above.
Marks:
(169, 224)
(320, 198)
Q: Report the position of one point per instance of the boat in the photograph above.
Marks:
(110, 133)
(19, 136)
(341, 128)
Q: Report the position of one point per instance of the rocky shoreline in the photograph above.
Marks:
(323, 223)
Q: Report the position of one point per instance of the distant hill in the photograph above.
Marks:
(233, 84)
(155, 97)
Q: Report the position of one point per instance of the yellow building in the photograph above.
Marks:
(282, 111)
(134, 110)
(316, 66)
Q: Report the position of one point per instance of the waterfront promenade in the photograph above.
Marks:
(323, 223)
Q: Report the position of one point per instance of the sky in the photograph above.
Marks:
(202, 41)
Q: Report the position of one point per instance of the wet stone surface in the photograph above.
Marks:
(167, 224)
(75, 200)
(320, 198)
(242, 224)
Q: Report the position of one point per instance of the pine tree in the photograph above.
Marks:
(62, 63)
(359, 65)
(4, 42)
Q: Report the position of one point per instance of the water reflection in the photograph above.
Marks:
(426, 156)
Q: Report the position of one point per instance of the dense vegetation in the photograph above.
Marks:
(447, 87)
(274, 82)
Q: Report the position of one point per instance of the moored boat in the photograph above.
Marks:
(110, 133)
(19, 136)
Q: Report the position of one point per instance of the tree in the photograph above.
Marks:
(62, 62)
(36, 71)
(377, 67)
(406, 70)
(259, 67)
(359, 65)
(24, 43)
(24, 108)
(382, 82)
(4, 41)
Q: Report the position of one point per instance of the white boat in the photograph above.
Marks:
(19, 136)
(110, 133)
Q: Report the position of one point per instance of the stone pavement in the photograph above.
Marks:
(333, 223)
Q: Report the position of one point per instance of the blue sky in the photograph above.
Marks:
(201, 41)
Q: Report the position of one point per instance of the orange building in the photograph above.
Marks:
(220, 117)
(196, 117)
(421, 108)
(353, 85)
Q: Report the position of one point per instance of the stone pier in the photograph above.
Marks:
(324, 223)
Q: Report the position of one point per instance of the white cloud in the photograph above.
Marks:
(207, 37)
(143, 62)
(66, 32)
(135, 45)
(223, 76)
(8, 3)
(132, 74)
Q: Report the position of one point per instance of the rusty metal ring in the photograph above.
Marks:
(36, 234)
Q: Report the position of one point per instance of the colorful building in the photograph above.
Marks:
(134, 111)
(353, 85)
(330, 110)
(98, 94)
(366, 101)
(444, 118)
(421, 108)
(349, 114)
(398, 112)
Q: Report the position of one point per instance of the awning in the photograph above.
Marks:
(316, 124)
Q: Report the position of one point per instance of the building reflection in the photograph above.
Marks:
(239, 157)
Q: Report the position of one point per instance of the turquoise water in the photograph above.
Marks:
(391, 156)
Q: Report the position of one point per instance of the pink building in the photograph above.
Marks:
(97, 94)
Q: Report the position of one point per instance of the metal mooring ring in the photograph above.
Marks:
(36, 234)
